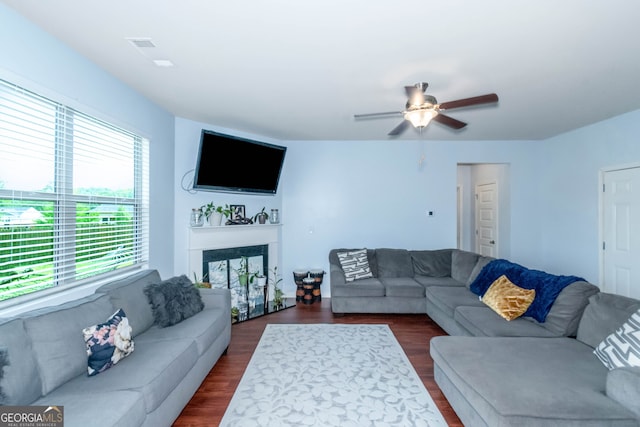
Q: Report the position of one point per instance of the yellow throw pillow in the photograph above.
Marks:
(508, 300)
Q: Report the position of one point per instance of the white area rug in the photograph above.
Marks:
(330, 375)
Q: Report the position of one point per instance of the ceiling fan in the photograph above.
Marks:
(422, 108)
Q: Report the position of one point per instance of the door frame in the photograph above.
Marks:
(601, 225)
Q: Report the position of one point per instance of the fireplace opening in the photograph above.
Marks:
(237, 269)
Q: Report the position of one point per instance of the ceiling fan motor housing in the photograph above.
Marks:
(429, 102)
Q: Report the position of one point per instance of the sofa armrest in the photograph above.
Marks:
(336, 275)
(216, 298)
(623, 386)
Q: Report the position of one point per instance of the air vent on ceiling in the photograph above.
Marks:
(141, 43)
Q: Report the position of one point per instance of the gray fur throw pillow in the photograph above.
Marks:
(173, 300)
(4, 361)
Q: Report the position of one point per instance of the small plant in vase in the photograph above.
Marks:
(261, 217)
(214, 213)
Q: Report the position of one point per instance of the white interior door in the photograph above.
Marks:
(621, 232)
(487, 219)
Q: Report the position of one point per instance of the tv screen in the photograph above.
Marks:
(233, 164)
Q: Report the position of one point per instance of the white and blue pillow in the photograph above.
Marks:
(622, 348)
(355, 265)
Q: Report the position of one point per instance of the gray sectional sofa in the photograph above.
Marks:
(496, 372)
(436, 282)
(150, 387)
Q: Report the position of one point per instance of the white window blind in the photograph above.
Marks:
(73, 195)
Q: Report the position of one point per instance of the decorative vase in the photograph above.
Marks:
(215, 219)
(196, 219)
(274, 218)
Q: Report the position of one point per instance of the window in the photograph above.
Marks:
(73, 195)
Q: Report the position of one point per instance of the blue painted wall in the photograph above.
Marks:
(35, 60)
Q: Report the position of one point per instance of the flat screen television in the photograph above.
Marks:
(232, 164)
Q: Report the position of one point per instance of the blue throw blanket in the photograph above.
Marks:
(547, 286)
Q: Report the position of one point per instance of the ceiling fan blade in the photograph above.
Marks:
(467, 102)
(400, 128)
(387, 113)
(449, 121)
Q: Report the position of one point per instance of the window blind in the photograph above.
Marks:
(73, 195)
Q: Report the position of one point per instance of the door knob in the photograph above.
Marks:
(493, 242)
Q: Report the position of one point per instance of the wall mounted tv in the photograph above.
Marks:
(238, 165)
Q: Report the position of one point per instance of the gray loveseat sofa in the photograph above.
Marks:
(534, 381)
(48, 358)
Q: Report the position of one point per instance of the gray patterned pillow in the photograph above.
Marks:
(622, 348)
(355, 265)
(173, 300)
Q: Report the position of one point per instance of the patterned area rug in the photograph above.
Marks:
(330, 375)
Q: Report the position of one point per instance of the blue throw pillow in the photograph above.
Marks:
(108, 343)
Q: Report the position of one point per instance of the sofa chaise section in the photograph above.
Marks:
(533, 381)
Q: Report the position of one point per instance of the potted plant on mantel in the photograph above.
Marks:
(261, 217)
(215, 213)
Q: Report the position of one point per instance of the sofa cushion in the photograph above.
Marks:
(436, 263)
(449, 298)
(204, 329)
(155, 369)
(359, 288)
(462, 264)
(402, 287)
(108, 342)
(623, 386)
(97, 408)
(128, 294)
(551, 381)
(508, 300)
(480, 263)
(484, 322)
(604, 314)
(56, 337)
(394, 263)
(565, 314)
(427, 281)
(621, 349)
(173, 300)
(21, 382)
(355, 265)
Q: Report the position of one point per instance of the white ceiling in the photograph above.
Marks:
(299, 70)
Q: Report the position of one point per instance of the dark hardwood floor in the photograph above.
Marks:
(413, 332)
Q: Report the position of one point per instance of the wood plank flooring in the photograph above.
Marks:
(413, 332)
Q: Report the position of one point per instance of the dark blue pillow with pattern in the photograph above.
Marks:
(108, 343)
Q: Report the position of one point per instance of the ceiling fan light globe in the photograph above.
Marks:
(420, 118)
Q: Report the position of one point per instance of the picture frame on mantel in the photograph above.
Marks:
(237, 212)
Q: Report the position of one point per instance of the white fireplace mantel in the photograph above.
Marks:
(232, 236)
